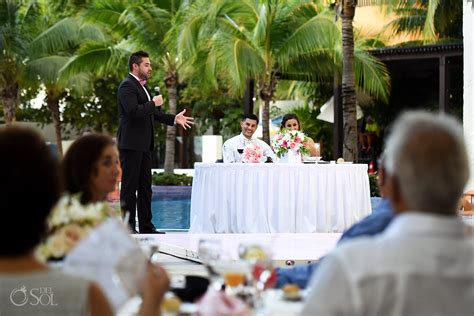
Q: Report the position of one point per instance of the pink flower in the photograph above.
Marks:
(252, 154)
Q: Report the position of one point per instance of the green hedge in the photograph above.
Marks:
(171, 179)
(374, 188)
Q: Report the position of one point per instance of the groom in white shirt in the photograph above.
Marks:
(233, 148)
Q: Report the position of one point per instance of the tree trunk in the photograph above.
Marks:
(348, 82)
(10, 97)
(172, 86)
(266, 92)
(52, 102)
(265, 124)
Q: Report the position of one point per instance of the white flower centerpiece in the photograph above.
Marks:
(68, 223)
(289, 145)
(252, 154)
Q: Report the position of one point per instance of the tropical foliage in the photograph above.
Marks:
(271, 40)
(76, 52)
(435, 20)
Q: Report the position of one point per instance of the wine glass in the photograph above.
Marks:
(235, 274)
(209, 252)
(262, 268)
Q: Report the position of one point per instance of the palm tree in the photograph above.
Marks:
(133, 26)
(18, 26)
(347, 13)
(265, 39)
(50, 52)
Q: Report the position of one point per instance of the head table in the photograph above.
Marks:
(278, 198)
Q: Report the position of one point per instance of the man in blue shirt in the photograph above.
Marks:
(371, 225)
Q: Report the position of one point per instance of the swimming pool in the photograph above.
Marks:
(170, 207)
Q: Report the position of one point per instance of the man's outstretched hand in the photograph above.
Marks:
(184, 121)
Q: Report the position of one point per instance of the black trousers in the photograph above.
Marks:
(135, 192)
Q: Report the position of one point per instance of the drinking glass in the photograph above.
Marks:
(235, 274)
(209, 251)
(260, 258)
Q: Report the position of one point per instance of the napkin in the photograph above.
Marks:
(215, 303)
(112, 259)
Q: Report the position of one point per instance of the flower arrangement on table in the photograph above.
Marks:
(252, 153)
(68, 223)
(287, 140)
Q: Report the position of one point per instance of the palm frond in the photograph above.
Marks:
(316, 36)
(239, 57)
(46, 68)
(189, 36)
(92, 32)
(98, 59)
(371, 74)
(9, 12)
(261, 29)
(33, 19)
(108, 13)
(429, 31)
(59, 36)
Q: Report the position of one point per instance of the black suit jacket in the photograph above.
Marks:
(137, 116)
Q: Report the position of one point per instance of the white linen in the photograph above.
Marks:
(112, 259)
(421, 265)
(278, 198)
(231, 155)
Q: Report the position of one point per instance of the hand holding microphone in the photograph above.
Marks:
(158, 99)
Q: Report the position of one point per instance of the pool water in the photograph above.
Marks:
(170, 207)
(171, 214)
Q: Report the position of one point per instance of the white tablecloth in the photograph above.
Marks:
(278, 198)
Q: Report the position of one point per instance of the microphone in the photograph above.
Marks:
(157, 90)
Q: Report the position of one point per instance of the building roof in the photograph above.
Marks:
(414, 52)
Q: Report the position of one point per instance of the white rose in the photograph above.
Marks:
(72, 234)
(56, 246)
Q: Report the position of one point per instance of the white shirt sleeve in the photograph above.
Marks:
(228, 153)
(267, 150)
(330, 291)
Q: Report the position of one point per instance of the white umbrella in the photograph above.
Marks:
(327, 111)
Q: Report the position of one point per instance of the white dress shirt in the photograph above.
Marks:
(230, 147)
(422, 265)
(138, 79)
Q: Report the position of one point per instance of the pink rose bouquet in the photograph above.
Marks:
(289, 140)
(252, 154)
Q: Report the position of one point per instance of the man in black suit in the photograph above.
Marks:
(137, 112)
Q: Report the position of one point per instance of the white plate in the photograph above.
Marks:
(345, 163)
(312, 159)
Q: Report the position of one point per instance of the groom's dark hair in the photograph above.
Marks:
(136, 58)
(250, 116)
